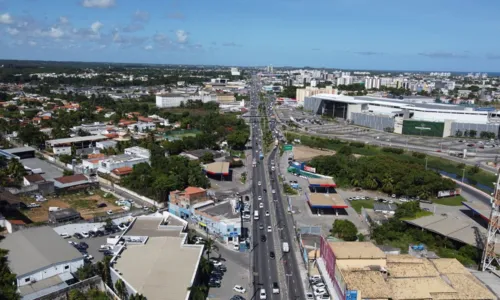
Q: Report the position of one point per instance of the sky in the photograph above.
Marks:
(427, 35)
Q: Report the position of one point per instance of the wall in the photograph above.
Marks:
(61, 150)
(372, 121)
(494, 128)
(122, 189)
(50, 271)
(330, 261)
(95, 283)
(413, 127)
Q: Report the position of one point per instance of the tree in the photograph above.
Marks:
(198, 292)
(472, 133)
(77, 295)
(345, 230)
(207, 157)
(121, 289)
(137, 297)
(459, 133)
(86, 271)
(103, 270)
(238, 139)
(210, 246)
(16, 171)
(345, 150)
(68, 173)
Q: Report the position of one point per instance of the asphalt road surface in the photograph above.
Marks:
(264, 267)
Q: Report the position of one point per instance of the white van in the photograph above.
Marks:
(256, 215)
(286, 248)
(263, 295)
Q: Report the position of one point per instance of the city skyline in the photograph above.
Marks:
(447, 35)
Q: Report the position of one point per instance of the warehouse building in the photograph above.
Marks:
(404, 116)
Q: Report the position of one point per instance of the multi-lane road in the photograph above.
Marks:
(270, 265)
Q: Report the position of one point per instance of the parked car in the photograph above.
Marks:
(83, 245)
(239, 289)
(85, 234)
(65, 235)
(109, 212)
(262, 294)
(272, 255)
(214, 284)
(78, 236)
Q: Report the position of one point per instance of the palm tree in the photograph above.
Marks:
(210, 246)
(197, 292)
(121, 289)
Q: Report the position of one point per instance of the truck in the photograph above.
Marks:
(286, 248)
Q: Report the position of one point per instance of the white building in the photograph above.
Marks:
(41, 259)
(344, 80)
(235, 72)
(138, 151)
(142, 126)
(119, 161)
(105, 144)
(169, 100)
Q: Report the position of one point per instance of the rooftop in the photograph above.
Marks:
(376, 289)
(146, 226)
(166, 269)
(37, 248)
(76, 139)
(356, 250)
(18, 150)
(34, 178)
(71, 178)
(217, 168)
(321, 181)
(326, 200)
(64, 213)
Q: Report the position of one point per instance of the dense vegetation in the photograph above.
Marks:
(382, 172)
(345, 230)
(399, 234)
(473, 175)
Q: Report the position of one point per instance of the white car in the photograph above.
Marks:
(65, 235)
(71, 243)
(319, 285)
(261, 205)
(122, 226)
(236, 247)
(315, 278)
(267, 214)
(323, 297)
(109, 212)
(269, 229)
(218, 264)
(88, 256)
(262, 294)
(239, 289)
(259, 198)
(85, 234)
(309, 296)
(274, 191)
(259, 183)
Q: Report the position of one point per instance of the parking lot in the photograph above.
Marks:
(235, 275)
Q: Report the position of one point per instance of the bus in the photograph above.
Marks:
(256, 215)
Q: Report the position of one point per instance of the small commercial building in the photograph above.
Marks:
(64, 216)
(326, 203)
(385, 208)
(183, 203)
(360, 270)
(42, 261)
(218, 170)
(142, 127)
(119, 161)
(72, 183)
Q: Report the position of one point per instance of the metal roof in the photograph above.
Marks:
(76, 139)
(36, 249)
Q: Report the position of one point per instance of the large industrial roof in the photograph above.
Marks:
(163, 268)
(217, 168)
(326, 182)
(37, 248)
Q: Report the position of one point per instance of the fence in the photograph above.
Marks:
(84, 285)
(116, 187)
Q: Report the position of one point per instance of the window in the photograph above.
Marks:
(235, 229)
(228, 230)
(27, 280)
(66, 267)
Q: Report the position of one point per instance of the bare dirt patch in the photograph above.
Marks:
(82, 202)
(304, 153)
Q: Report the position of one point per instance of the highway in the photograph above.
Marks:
(264, 267)
(284, 268)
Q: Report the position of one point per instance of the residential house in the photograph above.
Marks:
(72, 183)
(182, 203)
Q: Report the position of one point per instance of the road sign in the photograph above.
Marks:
(351, 295)
(288, 147)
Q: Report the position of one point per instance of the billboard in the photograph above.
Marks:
(449, 193)
(287, 147)
(351, 295)
(423, 128)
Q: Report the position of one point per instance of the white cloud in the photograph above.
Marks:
(141, 16)
(96, 26)
(6, 18)
(63, 20)
(32, 43)
(148, 47)
(99, 3)
(12, 31)
(55, 33)
(182, 36)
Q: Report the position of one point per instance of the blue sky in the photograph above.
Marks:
(453, 35)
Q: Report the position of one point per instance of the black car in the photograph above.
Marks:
(217, 274)
(214, 284)
(221, 268)
(263, 238)
(92, 234)
(271, 254)
(108, 253)
(83, 245)
(78, 236)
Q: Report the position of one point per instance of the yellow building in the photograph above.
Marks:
(225, 97)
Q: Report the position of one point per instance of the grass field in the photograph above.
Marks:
(358, 204)
(450, 201)
(420, 214)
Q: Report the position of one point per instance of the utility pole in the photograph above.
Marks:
(426, 163)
